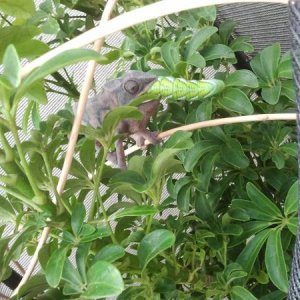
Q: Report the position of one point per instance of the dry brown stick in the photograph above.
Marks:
(146, 13)
(218, 122)
(72, 141)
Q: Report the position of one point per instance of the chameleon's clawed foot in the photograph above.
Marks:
(112, 157)
(141, 137)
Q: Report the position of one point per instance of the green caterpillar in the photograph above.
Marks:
(181, 89)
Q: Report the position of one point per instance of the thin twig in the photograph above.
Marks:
(33, 260)
(219, 122)
(137, 16)
(72, 142)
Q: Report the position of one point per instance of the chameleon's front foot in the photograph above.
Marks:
(141, 137)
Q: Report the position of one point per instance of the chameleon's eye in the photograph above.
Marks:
(131, 86)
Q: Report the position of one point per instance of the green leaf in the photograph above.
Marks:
(179, 140)
(113, 118)
(235, 100)
(262, 202)
(77, 218)
(51, 26)
(271, 94)
(249, 254)
(276, 295)
(135, 211)
(21, 9)
(74, 284)
(293, 225)
(109, 57)
(275, 262)
(37, 93)
(233, 154)
(12, 66)
(110, 253)
(288, 90)
(31, 48)
(104, 280)
(170, 54)
(17, 35)
(194, 154)
(270, 58)
(61, 60)
(217, 51)
(154, 243)
(55, 265)
(242, 78)
(198, 39)
(183, 198)
(7, 213)
(196, 60)
(87, 155)
(225, 30)
(285, 69)
(291, 200)
(240, 293)
(242, 44)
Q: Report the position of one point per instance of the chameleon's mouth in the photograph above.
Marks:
(148, 83)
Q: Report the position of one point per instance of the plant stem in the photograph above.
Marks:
(25, 166)
(97, 196)
(59, 202)
(21, 198)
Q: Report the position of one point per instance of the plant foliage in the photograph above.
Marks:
(233, 189)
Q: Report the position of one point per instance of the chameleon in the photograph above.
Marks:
(140, 86)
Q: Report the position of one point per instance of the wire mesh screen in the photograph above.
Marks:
(294, 10)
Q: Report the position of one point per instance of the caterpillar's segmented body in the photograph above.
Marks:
(181, 89)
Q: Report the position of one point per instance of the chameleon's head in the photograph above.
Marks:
(130, 86)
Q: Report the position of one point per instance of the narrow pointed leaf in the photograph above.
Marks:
(275, 262)
(291, 201)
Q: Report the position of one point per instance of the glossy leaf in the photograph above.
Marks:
(103, 280)
(249, 254)
(12, 66)
(235, 100)
(275, 261)
(196, 60)
(198, 39)
(135, 211)
(291, 201)
(263, 202)
(110, 253)
(217, 51)
(113, 118)
(87, 155)
(240, 293)
(271, 94)
(242, 78)
(270, 58)
(21, 9)
(196, 152)
(233, 154)
(60, 61)
(78, 215)
(55, 265)
(154, 243)
(74, 284)
(170, 54)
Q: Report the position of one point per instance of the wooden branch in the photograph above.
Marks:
(219, 122)
(140, 15)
